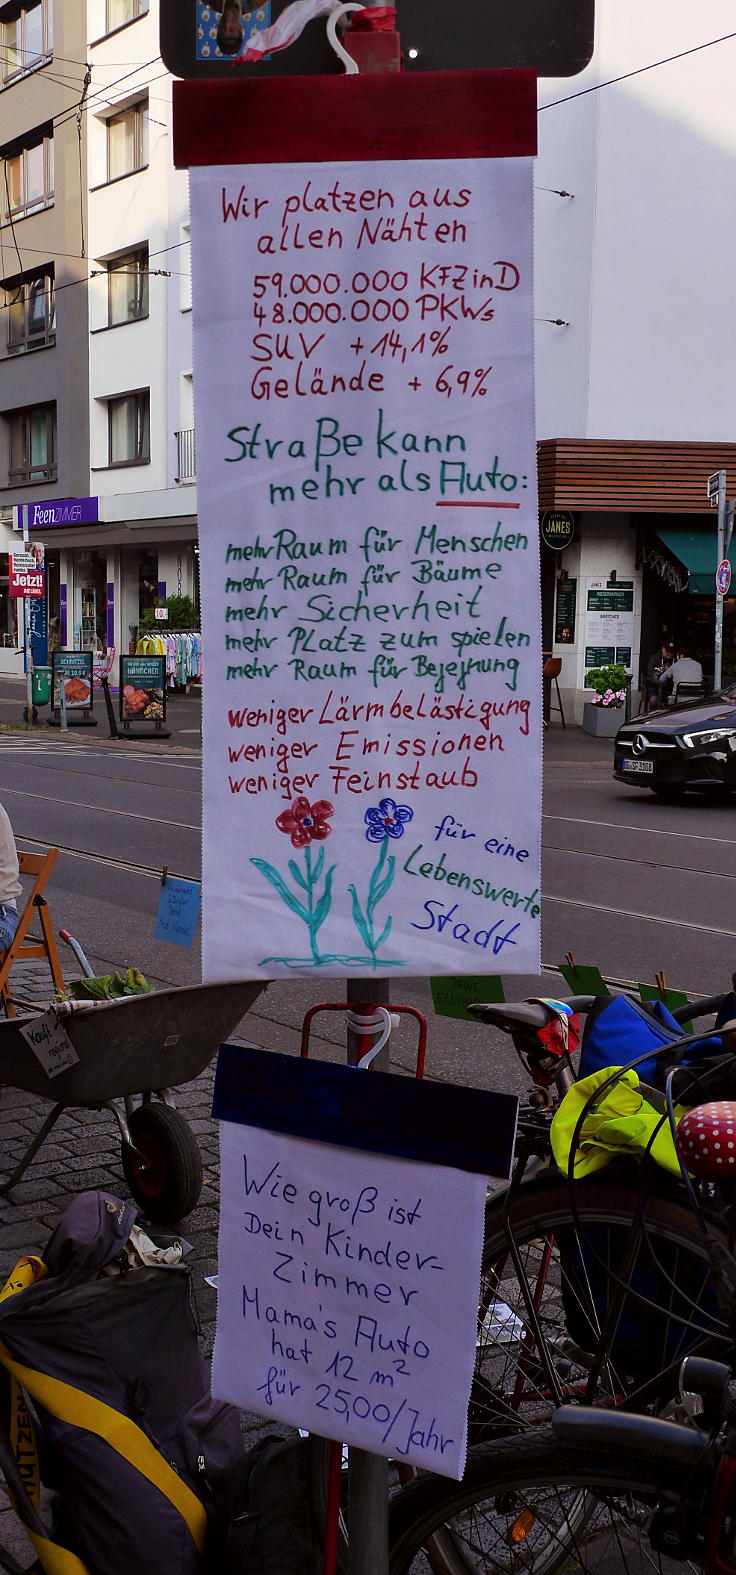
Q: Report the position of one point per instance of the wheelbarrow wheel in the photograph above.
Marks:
(168, 1185)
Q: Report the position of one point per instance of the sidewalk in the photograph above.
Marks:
(183, 717)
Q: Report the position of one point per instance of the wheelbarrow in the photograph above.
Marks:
(141, 1045)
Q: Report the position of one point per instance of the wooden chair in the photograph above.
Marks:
(24, 945)
(551, 670)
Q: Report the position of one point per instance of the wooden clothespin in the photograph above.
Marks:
(165, 875)
(660, 981)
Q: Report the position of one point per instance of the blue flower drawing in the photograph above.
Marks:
(384, 823)
(388, 820)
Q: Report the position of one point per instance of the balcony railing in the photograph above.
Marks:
(186, 462)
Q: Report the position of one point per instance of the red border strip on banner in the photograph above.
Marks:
(303, 120)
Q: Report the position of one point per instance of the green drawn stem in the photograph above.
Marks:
(312, 928)
(379, 886)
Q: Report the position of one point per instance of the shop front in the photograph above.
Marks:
(106, 575)
(639, 564)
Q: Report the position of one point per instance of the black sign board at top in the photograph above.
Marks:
(552, 37)
(557, 528)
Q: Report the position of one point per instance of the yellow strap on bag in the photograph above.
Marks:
(55, 1559)
(79, 1409)
(621, 1123)
(74, 1406)
(27, 1271)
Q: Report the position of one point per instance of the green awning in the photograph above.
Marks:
(697, 550)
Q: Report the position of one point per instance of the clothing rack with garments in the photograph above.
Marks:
(182, 649)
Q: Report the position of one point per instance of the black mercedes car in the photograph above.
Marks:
(689, 746)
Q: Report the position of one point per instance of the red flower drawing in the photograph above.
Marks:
(306, 822)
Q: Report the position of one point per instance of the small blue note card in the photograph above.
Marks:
(178, 911)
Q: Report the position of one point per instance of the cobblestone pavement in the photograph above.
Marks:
(83, 1151)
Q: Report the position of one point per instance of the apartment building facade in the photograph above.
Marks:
(636, 335)
(44, 400)
(96, 434)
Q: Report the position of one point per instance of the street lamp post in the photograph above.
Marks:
(717, 496)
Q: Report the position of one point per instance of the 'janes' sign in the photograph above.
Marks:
(557, 528)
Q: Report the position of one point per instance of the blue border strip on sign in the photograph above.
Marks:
(438, 1123)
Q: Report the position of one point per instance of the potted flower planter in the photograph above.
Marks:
(603, 721)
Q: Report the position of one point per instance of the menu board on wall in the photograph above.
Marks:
(366, 471)
(609, 622)
(565, 611)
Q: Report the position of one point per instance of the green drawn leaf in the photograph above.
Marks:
(319, 866)
(279, 885)
(358, 919)
(325, 902)
(384, 934)
(298, 877)
(380, 890)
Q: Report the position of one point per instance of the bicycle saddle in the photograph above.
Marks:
(511, 1015)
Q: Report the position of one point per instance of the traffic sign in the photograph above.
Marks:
(552, 37)
(723, 577)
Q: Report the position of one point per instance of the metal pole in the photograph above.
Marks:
(722, 527)
(367, 1474)
(368, 1514)
(28, 654)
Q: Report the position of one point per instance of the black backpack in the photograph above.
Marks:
(121, 1425)
(275, 1531)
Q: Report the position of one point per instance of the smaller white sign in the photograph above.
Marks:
(348, 1294)
(162, 614)
(50, 1043)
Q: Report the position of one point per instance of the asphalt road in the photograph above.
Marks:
(629, 883)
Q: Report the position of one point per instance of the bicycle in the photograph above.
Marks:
(599, 1487)
(527, 1361)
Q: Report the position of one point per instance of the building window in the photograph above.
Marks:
(32, 444)
(26, 34)
(118, 12)
(129, 429)
(30, 310)
(127, 140)
(127, 287)
(29, 174)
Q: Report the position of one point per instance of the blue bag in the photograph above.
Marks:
(619, 1030)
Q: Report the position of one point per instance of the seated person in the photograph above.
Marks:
(9, 882)
(656, 666)
(685, 670)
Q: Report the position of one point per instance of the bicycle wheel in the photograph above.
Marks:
(521, 1375)
(533, 1504)
(599, 1305)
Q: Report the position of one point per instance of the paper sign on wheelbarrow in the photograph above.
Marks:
(349, 1270)
(369, 553)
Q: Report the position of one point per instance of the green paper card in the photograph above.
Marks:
(452, 997)
(669, 998)
(584, 980)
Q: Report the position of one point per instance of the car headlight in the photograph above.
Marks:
(716, 735)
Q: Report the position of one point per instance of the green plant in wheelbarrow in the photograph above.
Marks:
(109, 986)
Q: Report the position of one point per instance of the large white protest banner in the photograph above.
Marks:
(369, 557)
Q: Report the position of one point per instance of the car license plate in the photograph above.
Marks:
(645, 767)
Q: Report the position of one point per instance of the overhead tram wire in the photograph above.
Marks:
(101, 93)
(639, 71)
